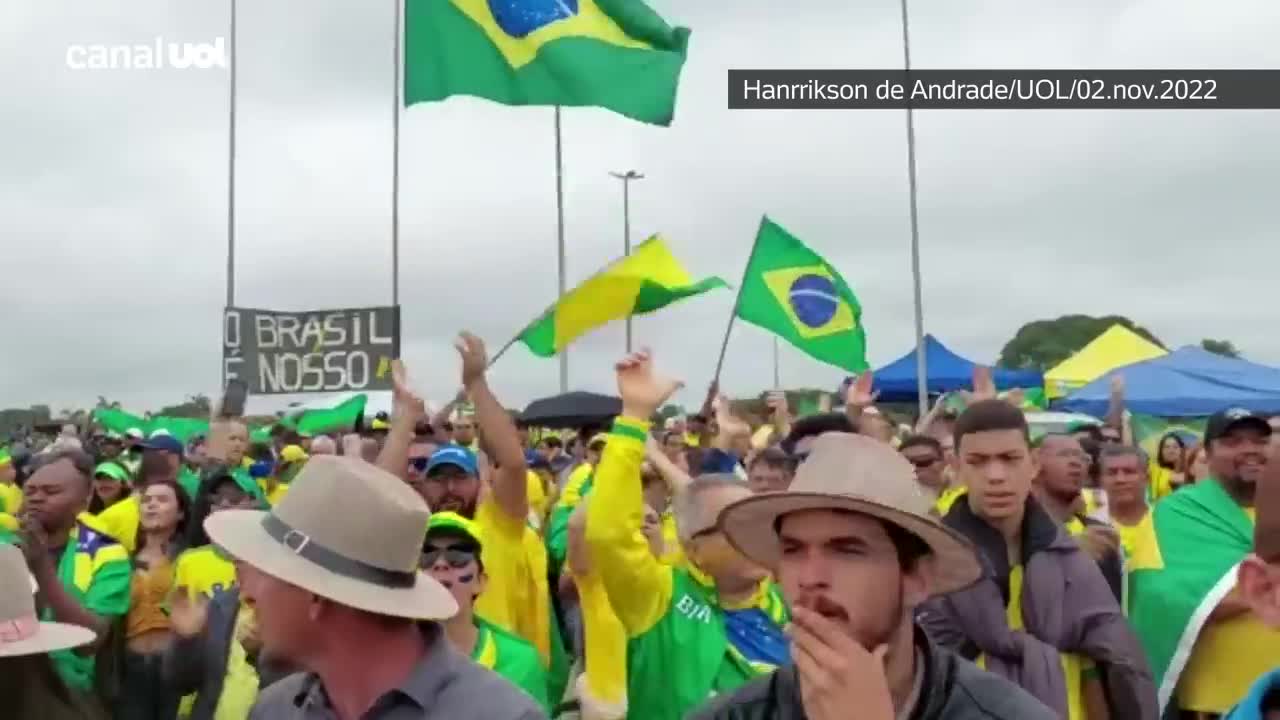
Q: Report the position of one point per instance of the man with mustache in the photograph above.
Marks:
(1205, 643)
(856, 549)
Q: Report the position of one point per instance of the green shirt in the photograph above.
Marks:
(190, 482)
(513, 658)
(95, 570)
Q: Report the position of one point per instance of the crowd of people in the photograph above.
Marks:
(468, 566)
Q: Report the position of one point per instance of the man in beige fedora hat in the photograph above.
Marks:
(338, 593)
(855, 548)
(28, 684)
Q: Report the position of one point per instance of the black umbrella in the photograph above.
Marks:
(572, 410)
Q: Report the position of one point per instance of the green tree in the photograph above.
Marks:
(1225, 348)
(1043, 344)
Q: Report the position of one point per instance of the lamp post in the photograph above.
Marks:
(626, 178)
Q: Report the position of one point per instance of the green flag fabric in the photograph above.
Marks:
(614, 54)
(792, 292)
(1180, 572)
(342, 416)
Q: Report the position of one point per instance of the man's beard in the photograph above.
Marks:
(455, 503)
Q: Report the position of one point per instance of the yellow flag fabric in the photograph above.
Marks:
(649, 279)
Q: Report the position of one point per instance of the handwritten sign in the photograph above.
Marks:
(311, 351)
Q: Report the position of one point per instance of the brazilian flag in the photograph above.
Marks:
(614, 54)
(792, 292)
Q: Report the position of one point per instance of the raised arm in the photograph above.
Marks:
(638, 585)
(406, 410)
(509, 482)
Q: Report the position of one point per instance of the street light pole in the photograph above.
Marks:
(626, 179)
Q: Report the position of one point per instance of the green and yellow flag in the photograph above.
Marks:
(648, 279)
(614, 54)
(792, 292)
(1181, 568)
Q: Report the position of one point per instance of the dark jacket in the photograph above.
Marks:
(199, 664)
(952, 689)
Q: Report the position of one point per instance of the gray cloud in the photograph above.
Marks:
(113, 190)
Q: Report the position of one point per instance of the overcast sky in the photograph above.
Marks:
(113, 191)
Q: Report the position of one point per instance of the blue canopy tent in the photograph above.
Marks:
(948, 372)
(1189, 382)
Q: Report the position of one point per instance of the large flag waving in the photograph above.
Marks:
(1180, 571)
(614, 54)
(792, 292)
(648, 279)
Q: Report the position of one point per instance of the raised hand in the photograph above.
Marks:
(860, 396)
(474, 358)
(406, 405)
(726, 421)
(187, 613)
(984, 387)
(836, 672)
(642, 390)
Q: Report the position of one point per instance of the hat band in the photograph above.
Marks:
(302, 546)
(18, 629)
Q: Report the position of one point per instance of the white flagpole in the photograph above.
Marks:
(560, 254)
(231, 172)
(395, 161)
(922, 369)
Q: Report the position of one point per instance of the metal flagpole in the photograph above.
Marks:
(564, 354)
(922, 369)
(395, 163)
(231, 175)
(626, 179)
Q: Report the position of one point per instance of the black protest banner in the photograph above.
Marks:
(278, 352)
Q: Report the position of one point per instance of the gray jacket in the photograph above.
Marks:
(952, 689)
(199, 664)
(445, 685)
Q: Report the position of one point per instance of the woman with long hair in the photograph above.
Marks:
(31, 688)
(1197, 468)
(1169, 461)
(110, 486)
(162, 529)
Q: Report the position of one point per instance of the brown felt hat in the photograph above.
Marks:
(347, 531)
(857, 474)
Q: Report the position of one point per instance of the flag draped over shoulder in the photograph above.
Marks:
(648, 279)
(1149, 429)
(792, 292)
(614, 54)
(1180, 570)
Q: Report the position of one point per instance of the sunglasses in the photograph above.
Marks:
(419, 463)
(923, 463)
(456, 557)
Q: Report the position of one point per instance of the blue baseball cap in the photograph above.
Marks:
(454, 455)
(163, 442)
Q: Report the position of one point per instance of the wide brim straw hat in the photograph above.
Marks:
(347, 531)
(856, 474)
(21, 630)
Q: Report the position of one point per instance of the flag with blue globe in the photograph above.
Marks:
(794, 293)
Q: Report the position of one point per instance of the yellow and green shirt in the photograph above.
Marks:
(95, 569)
(512, 658)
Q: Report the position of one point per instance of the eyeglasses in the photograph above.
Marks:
(457, 557)
(419, 463)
